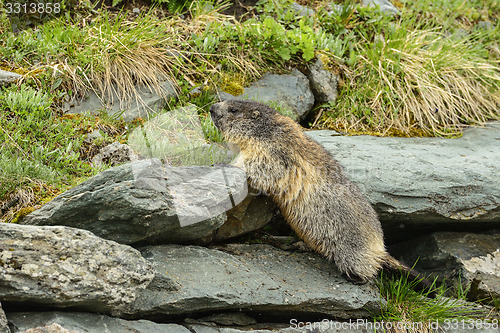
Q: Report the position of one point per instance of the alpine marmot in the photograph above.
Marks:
(311, 189)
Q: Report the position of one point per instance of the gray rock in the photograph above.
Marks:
(93, 136)
(334, 9)
(484, 25)
(114, 154)
(323, 82)
(4, 328)
(195, 92)
(152, 101)
(355, 326)
(458, 35)
(273, 329)
(253, 213)
(8, 77)
(253, 279)
(224, 96)
(385, 6)
(89, 323)
(291, 92)
(53, 328)
(66, 267)
(209, 329)
(136, 11)
(144, 201)
(229, 319)
(301, 10)
(472, 258)
(418, 183)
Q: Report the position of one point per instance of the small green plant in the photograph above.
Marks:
(406, 305)
(282, 109)
(17, 173)
(212, 133)
(28, 102)
(279, 10)
(175, 6)
(461, 291)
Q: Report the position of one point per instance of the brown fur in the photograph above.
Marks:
(312, 190)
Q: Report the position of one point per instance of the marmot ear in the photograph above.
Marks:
(255, 114)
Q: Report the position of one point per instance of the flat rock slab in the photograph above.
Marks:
(346, 327)
(114, 154)
(424, 181)
(474, 258)
(316, 327)
(93, 323)
(145, 201)
(88, 323)
(257, 279)
(65, 267)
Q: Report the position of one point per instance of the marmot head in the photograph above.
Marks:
(242, 120)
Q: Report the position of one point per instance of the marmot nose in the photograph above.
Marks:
(216, 108)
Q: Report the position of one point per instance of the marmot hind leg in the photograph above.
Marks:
(359, 264)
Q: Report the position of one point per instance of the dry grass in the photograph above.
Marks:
(114, 55)
(25, 200)
(421, 84)
(405, 83)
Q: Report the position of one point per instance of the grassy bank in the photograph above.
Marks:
(430, 71)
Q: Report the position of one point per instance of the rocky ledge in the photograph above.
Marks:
(124, 271)
(64, 268)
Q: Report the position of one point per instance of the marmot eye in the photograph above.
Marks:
(232, 110)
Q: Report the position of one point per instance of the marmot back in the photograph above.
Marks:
(312, 190)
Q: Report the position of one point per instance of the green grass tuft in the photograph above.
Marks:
(416, 311)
